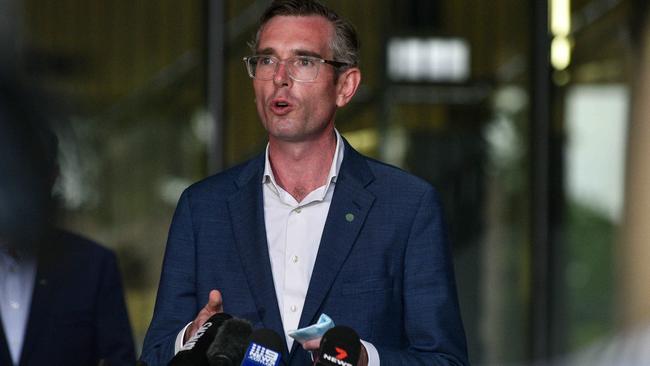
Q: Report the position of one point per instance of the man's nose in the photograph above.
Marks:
(281, 76)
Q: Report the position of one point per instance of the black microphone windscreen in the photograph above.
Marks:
(230, 343)
(193, 351)
(340, 346)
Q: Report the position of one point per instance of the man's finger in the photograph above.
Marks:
(311, 345)
(215, 302)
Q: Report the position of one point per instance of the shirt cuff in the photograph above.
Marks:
(179, 339)
(373, 355)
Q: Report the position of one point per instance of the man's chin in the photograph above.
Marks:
(287, 137)
(284, 130)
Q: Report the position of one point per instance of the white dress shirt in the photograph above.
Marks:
(17, 274)
(293, 234)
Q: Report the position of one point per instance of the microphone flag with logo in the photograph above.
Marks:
(265, 349)
(340, 346)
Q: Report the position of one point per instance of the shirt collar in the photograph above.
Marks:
(337, 160)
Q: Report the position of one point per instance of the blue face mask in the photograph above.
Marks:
(313, 331)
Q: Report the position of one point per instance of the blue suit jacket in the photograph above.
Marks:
(387, 273)
(78, 315)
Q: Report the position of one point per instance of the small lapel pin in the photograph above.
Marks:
(42, 282)
(349, 217)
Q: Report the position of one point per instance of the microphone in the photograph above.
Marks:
(229, 344)
(193, 351)
(265, 349)
(340, 346)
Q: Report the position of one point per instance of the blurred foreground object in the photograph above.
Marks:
(61, 299)
(28, 168)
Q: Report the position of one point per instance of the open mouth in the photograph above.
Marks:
(280, 106)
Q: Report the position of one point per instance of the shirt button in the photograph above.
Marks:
(298, 210)
(14, 305)
(294, 259)
(293, 308)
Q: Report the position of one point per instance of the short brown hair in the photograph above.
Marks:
(344, 44)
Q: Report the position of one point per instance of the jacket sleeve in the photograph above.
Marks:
(176, 302)
(432, 321)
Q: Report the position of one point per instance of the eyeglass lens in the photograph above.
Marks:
(300, 68)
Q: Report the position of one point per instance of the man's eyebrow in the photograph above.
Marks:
(297, 52)
(307, 53)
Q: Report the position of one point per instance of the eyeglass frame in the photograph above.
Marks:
(333, 63)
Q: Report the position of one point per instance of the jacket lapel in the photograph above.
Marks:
(39, 312)
(246, 208)
(350, 206)
(5, 356)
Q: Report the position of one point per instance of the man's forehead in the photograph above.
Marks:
(302, 34)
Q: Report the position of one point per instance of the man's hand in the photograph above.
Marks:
(313, 345)
(214, 306)
(363, 356)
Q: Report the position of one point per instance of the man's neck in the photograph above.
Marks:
(301, 167)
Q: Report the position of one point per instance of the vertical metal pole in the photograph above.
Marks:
(541, 250)
(215, 80)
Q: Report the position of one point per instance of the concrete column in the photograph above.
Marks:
(634, 250)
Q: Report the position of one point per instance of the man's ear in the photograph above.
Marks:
(347, 85)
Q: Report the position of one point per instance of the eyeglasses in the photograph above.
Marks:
(299, 68)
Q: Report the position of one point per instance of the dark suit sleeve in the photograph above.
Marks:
(114, 338)
(432, 321)
(176, 301)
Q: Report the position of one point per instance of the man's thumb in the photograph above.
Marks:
(215, 302)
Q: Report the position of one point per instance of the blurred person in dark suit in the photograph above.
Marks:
(61, 298)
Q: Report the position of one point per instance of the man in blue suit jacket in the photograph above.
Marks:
(381, 261)
(77, 315)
